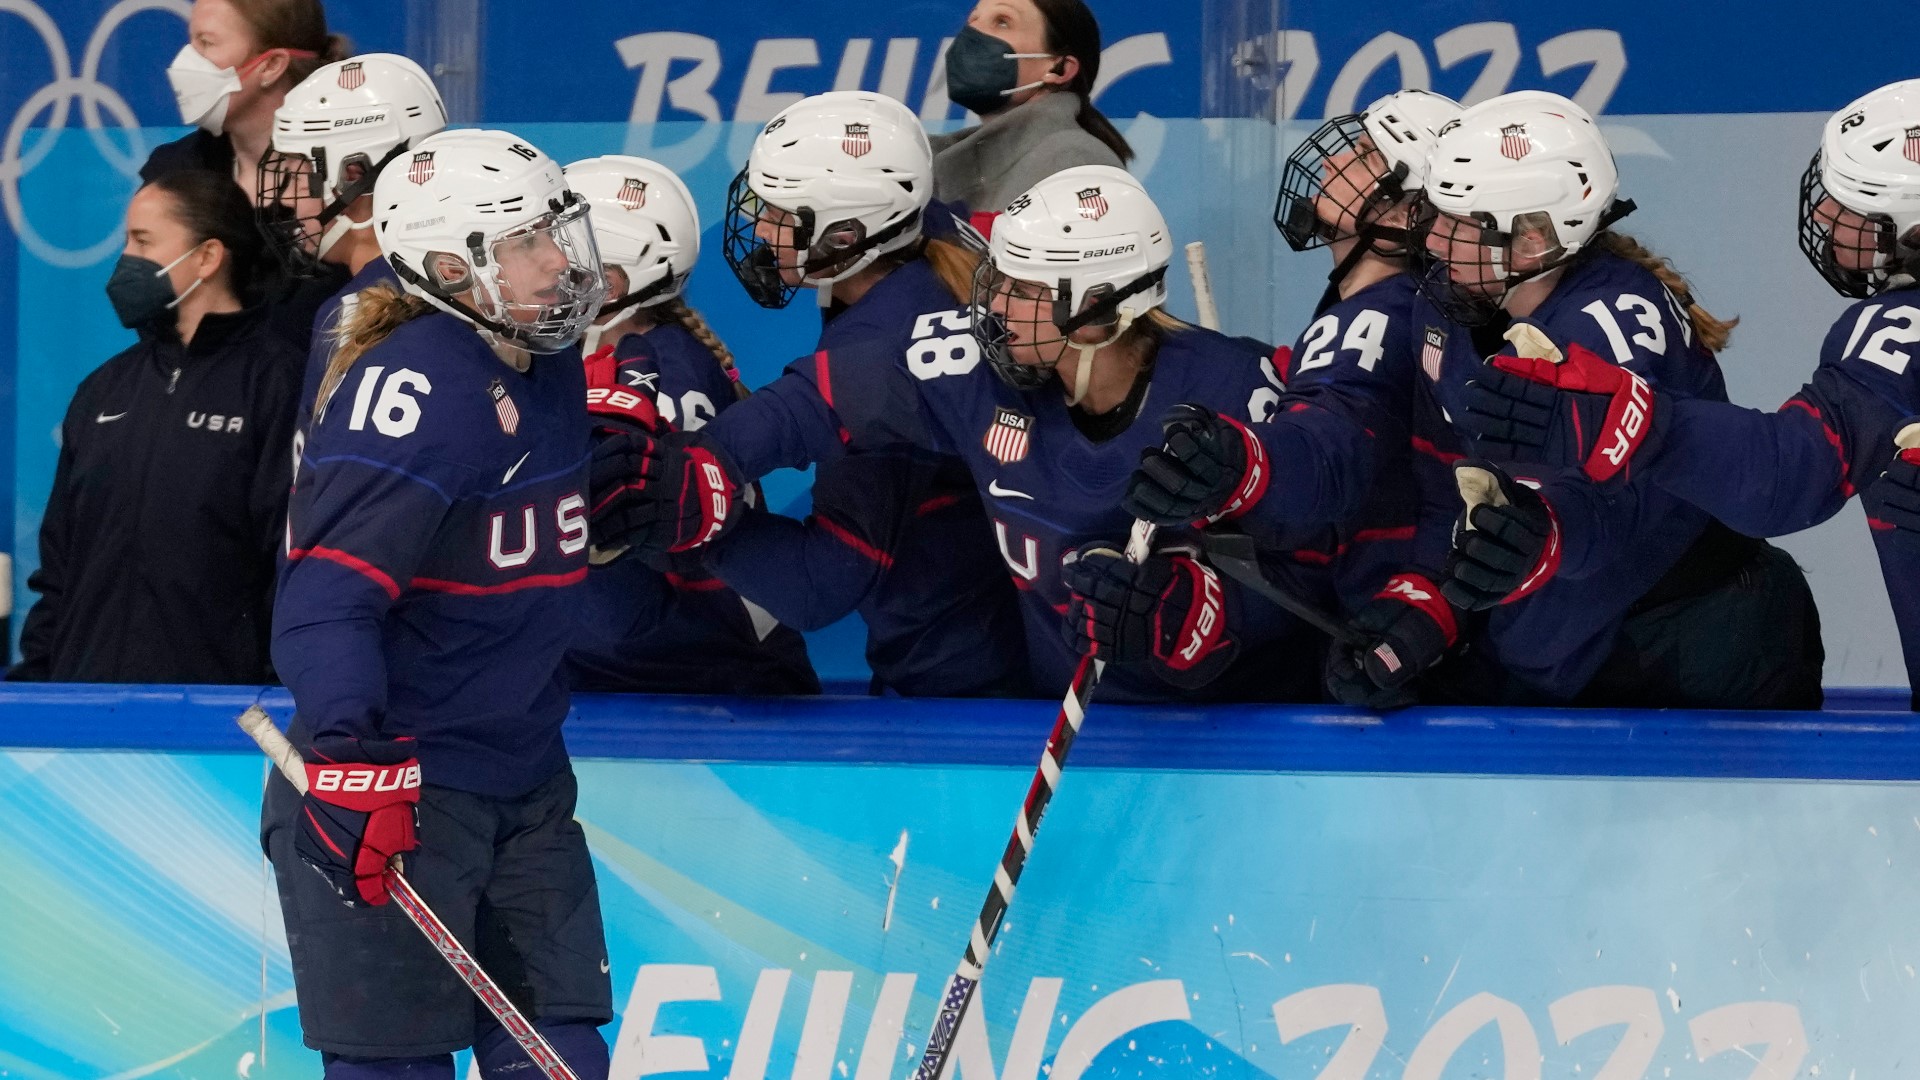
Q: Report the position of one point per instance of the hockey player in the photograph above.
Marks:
(1767, 474)
(1334, 423)
(832, 200)
(641, 629)
(1627, 596)
(332, 137)
(436, 538)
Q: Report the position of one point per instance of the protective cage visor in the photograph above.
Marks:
(1333, 183)
(1851, 250)
(754, 261)
(543, 280)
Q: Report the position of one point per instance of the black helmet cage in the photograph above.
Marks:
(1302, 183)
(1465, 304)
(295, 240)
(757, 264)
(1819, 243)
(994, 333)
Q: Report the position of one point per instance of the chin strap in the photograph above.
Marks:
(1083, 371)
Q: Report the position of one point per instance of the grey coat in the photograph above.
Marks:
(988, 165)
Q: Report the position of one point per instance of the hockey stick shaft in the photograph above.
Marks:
(1233, 553)
(960, 987)
(257, 724)
(1202, 285)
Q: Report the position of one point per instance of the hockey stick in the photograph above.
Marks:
(966, 979)
(256, 723)
(1233, 552)
(1202, 285)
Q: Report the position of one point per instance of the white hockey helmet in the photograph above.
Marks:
(837, 180)
(1357, 165)
(644, 223)
(1860, 197)
(350, 116)
(483, 226)
(1084, 247)
(1529, 162)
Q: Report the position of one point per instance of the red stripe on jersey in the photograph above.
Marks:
(352, 562)
(1314, 558)
(823, 379)
(938, 502)
(1877, 525)
(531, 581)
(695, 584)
(1833, 439)
(841, 534)
(1364, 536)
(1426, 447)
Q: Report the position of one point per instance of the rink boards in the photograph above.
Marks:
(1237, 892)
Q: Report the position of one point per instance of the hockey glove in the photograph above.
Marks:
(668, 494)
(359, 812)
(1408, 627)
(1506, 542)
(1897, 492)
(1168, 612)
(1211, 467)
(615, 408)
(1578, 411)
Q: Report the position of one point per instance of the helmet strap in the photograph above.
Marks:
(1083, 371)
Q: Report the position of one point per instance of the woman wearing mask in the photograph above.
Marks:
(241, 59)
(1026, 68)
(157, 549)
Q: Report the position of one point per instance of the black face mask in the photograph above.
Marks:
(141, 293)
(983, 71)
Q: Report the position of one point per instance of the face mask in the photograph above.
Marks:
(982, 69)
(201, 89)
(140, 291)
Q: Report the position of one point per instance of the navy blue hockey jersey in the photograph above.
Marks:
(325, 322)
(682, 630)
(437, 529)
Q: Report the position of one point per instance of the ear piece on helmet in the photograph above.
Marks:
(449, 272)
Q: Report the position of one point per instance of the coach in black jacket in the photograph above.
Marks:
(157, 550)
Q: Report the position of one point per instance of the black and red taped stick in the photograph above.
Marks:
(966, 979)
(274, 744)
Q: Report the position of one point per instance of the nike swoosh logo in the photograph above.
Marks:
(604, 968)
(994, 489)
(103, 418)
(515, 469)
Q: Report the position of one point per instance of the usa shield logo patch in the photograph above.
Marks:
(1514, 142)
(632, 193)
(503, 407)
(351, 75)
(1911, 151)
(1006, 437)
(856, 140)
(1431, 352)
(1093, 205)
(421, 169)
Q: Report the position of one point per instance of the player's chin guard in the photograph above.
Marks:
(483, 226)
(645, 226)
(1406, 628)
(1541, 405)
(1209, 468)
(1341, 180)
(332, 137)
(1084, 248)
(834, 182)
(1167, 612)
(1518, 186)
(359, 812)
(1506, 542)
(1860, 197)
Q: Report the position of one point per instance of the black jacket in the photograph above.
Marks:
(158, 546)
(291, 301)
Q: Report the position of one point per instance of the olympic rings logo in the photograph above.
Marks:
(59, 96)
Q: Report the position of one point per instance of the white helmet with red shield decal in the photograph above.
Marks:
(1860, 197)
(833, 182)
(644, 224)
(332, 136)
(1517, 186)
(483, 226)
(1084, 248)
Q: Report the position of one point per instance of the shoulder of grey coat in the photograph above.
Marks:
(988, 165)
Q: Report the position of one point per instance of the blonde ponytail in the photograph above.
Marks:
(679, 311)
(373, 314)
(954, 265)
(1712, 332)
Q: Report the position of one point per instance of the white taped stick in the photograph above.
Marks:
(1907, 437)
(1528, 341)
(1202, 285)
(1478, 487)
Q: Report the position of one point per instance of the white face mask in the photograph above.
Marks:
(201, 89)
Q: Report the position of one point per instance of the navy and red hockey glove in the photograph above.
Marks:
(359, 812)
(1895, 497)
(667, 494)
(1578, 411)
(1209, 469)
(615, 408)
(1408, 627)
(1506, 542)
(1168, 612)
